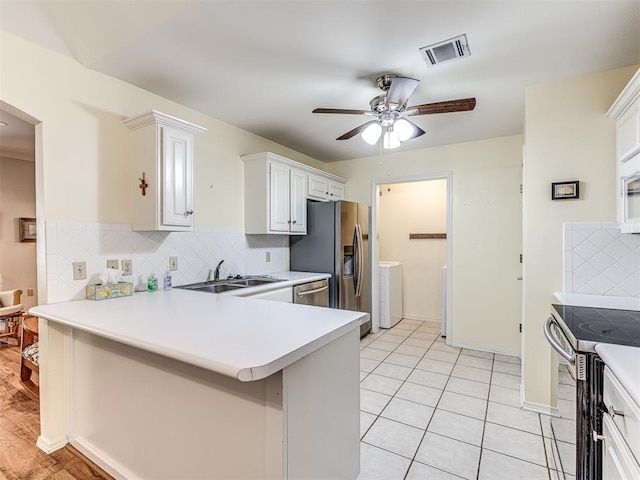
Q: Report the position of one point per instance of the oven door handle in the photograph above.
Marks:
(569, 357)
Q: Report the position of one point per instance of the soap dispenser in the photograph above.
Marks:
(152, 283)
(167, 280)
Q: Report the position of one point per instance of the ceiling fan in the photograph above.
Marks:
(390, 111)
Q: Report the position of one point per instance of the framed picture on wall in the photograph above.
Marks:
(565, 190)
(28, 230)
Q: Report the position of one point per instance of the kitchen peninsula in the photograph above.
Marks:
(181, 384)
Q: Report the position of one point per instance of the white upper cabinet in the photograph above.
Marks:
(163, 159)
(626, 109)
(325, 187)
(276, 190)
(275, 195)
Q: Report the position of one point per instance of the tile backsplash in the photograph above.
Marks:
(599, 260)
(197, 252)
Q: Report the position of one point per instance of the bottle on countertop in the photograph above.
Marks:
(167, 280)
(152, 283)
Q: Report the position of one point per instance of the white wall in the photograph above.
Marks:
(87, 150)
(85, 155)
(486, 236)
(415, 207)
(17, 200)
(567, 137)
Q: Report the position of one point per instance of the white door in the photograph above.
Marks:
(298, 199)
(279, 211)
(177, 181)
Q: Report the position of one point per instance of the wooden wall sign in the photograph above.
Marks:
(427, 236)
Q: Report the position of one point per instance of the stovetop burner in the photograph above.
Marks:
(605, 325)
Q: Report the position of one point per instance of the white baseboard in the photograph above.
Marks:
(537, 407)
(540, 408)
(484, 349)
(98, 457)
(421, 318)
(50, 446)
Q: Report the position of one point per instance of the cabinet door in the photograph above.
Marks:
(279, 211)
(177, 177)
(336, 191)
(318, 187)
(629, 134)
(298, 201)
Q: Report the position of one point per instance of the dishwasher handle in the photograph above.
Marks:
(304, 293)
(569, 357)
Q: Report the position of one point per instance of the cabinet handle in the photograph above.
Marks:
(326, 193)
(597, 437)
(294, 221)
(289, 222)
(188, 212)
(613, 412)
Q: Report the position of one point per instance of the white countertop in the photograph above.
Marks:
(624, 362)
(244, 338)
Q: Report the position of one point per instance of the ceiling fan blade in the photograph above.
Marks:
(460, 105)
(340, 110)
(400, 90)
(356, 131)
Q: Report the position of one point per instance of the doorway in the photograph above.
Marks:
(411, 224)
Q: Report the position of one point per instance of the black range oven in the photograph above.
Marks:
(574, 331)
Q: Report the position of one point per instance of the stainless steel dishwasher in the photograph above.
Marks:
(312, 293)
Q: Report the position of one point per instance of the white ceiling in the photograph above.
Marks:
(264, 65)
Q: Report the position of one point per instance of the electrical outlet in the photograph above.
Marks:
(113, 264)
(173, 263)
(127, 267)
(267, 257)
(79, 270)
(29, 292)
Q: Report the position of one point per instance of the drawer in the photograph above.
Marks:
(616, 398)
(618, 463)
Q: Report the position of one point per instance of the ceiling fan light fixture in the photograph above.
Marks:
(390, 140)
(372, 133)
(404, 129)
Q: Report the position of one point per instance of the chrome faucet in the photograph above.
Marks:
(216, 273)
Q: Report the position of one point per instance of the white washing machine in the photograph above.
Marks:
(390, 293)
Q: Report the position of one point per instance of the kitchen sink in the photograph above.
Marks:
(230, 284)
(217, 288)
(252, 282)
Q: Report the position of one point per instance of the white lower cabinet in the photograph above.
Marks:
(620, 432)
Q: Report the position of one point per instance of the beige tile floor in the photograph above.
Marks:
(430, 411)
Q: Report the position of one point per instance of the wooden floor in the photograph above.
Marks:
(20, 459)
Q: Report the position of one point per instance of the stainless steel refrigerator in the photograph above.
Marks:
(337, 242)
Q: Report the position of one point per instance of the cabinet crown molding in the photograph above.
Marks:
(154, 116)
(629, 95)
(291, 163)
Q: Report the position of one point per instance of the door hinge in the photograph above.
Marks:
(520, 188)
(520, 328)
(520, 258)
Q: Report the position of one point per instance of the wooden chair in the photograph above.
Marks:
(10, 314)
(30, 353)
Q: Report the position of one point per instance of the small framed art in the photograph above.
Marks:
(28, 229)
(565, 190)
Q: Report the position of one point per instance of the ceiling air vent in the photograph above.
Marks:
(446, 51)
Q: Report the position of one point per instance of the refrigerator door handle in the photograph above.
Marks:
(356, 260)
(360, 260)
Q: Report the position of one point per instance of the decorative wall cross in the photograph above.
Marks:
(143, 184)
